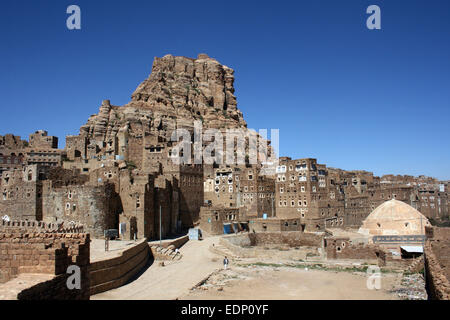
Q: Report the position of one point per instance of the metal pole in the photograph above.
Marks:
(273, 195)
(160, 227)
(423, 240)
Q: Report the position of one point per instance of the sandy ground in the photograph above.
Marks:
(254, 282)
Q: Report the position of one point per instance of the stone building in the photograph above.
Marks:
(241, 186)
(394, 225)
(394, 217)
(21, 192)
(303, 191)
(120, 170)
(41, 149)
(220, 220)
(95, 207)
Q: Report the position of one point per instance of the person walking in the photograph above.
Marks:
(225, 263)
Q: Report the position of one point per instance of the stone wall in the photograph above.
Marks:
(40, 251)
(115, 272)
(275, 225)
(342, 248)
(290, 239)
(175, 243)
(437, 263)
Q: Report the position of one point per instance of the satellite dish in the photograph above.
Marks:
(6, 218)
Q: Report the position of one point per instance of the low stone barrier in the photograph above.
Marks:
(114, 272)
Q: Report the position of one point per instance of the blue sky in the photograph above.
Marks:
(353, 98)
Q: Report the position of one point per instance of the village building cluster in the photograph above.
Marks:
(130, 179)
(119, 174)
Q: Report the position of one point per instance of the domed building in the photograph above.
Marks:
(394, 217)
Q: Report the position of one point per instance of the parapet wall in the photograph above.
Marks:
(26, 226)
(175, 243)
(115, 272)
(437, 263)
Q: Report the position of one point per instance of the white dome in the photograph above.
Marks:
(394, 218)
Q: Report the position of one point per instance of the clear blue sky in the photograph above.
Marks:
(351, 97)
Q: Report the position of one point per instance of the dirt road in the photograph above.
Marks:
(173, 280)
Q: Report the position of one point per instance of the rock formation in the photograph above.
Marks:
(178, 91)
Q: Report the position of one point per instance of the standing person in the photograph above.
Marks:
(225, 263)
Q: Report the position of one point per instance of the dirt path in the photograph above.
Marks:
(240, 282)
(173, 280)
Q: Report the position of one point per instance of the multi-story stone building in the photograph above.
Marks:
(41, 149)
(241, 186)
(21, 193)
(303, 191)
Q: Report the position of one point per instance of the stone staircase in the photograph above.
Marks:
(161, 253)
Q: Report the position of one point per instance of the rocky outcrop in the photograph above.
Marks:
(178, 91)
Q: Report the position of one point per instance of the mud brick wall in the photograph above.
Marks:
(342, 248)
(114, 272)
(47, 253)
(437, 263)
(290, 238)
